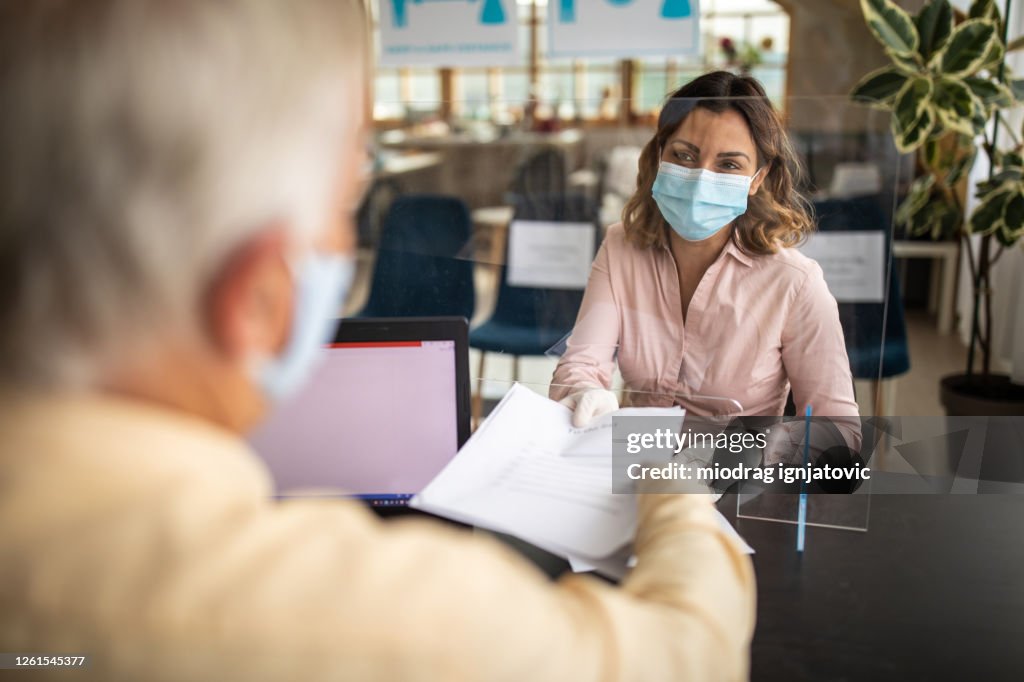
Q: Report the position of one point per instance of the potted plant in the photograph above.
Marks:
(948, 87)
(745, 58)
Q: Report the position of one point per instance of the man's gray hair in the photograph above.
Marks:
(140, 142)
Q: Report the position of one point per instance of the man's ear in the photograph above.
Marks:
(249, 304)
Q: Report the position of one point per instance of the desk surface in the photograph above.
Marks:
(933, 591)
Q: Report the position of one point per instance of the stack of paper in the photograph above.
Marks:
(529, 473)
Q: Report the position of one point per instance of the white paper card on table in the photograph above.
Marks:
(853, 263)
(512, 476)
(550, 255)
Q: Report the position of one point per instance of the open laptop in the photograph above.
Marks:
(384, 412)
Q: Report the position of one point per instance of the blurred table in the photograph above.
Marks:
(943, 278)
(479, 168)
(395, 165)
(491, 226)
(934, 590)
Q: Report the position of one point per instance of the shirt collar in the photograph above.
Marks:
(733, 249)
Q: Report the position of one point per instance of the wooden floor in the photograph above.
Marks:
(931, 357)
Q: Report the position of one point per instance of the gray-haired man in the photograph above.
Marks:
(175, 185)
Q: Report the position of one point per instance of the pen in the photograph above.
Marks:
(801, 519)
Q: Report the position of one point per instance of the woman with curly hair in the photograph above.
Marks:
(699, 293)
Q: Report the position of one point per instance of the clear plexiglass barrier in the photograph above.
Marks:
(501, 223)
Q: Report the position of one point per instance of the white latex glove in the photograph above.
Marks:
(589, 404)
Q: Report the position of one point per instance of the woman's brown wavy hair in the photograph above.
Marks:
(777, 215)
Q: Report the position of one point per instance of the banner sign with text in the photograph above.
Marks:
(448, 33)
(623, 28)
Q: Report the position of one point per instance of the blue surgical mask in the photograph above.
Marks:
(321, 284)
(697, 203)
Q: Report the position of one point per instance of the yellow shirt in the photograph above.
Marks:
(149, 541)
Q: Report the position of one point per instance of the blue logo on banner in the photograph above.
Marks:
(670, 9)
(491, 13)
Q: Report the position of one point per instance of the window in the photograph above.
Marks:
(750, 36)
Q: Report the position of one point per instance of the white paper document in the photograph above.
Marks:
(529, 473)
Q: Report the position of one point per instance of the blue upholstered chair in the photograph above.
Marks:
(876, 338)
(542, 175)
(527, 320)
(374, 210)
(420, 271)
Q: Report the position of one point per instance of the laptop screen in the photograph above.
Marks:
(378, 420)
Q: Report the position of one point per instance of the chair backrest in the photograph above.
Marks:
(374, 209)
(421, 269)
(548, 309)
(871, 346)
(542, 175)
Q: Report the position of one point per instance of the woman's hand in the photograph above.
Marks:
(589, 404)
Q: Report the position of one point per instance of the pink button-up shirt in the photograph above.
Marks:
(756, 326)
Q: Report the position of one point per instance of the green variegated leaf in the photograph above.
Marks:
(1008, 176)
(911, 66)
(910, 102)
(947, 222)
(913, 137)
(983, 9)
(979, 115)
(1013, 213)
(934, 24)
(942, 220)
(968, 48)
(919, 223)
(879, 88)
(985, 187)
(892, 26)
(1012, 227)
(955, 105)
(1011, 160)
(995, 228)
(936, 219)
(995, 55)
(917, 199)
(991, 93)
(1007, 237)
(960, 167)
(989, 213)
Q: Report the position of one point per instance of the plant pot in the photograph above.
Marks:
(976, 395)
